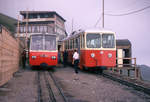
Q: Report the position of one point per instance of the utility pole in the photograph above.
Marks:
(26, 28)
(18, 27)
(72, 26)
(102, 13)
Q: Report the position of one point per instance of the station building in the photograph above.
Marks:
(48, 22)
(124, 52)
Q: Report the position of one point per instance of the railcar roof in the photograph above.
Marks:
(99, 30)
(76, 33)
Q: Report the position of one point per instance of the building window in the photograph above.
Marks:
(46, 15)
(30, 16)
(21, 29)
(43, 29)
(35, 29)
(24, 29)
(50, 30)
(38, 29)
(29, 29)
(38, 16)
(35, 16)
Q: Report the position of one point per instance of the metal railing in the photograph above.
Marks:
(132, 62)
(130, 66)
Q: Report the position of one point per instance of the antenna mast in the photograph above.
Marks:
(102, 13)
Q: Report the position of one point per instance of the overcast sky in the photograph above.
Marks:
(85, 14)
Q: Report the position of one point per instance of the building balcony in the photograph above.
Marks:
(39, 19)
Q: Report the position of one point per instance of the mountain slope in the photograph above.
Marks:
(145, 72)
(8, 22)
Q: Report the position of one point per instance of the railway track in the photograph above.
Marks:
(39, 88)
(136, 86)
(48, 89)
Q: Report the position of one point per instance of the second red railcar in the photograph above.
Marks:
(97, 48)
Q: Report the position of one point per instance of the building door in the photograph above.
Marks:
(120, 57)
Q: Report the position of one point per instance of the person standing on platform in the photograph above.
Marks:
(65, 56)
(76, 61)
(23, 58)
(59, 57)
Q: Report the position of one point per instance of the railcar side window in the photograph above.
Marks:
(71, 44)
(108, 41)
(76, 41)
(68, 44)
(83, 42)
(65, 44)
(93, 40)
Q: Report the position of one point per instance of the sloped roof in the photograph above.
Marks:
(123, 42)
(41, 12)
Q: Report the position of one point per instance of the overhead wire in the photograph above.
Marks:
(97, 21)
(129, 13)
(123, 14)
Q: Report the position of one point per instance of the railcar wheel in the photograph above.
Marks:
(100, 71)
(85, 68)
(32, 67)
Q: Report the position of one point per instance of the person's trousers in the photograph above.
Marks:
(76, 62)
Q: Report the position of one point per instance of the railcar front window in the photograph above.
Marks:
(108, 41)
(50, 42)
(93, 40)
(37, 43)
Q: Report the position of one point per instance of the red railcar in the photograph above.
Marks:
(43, 50)
(97, 48)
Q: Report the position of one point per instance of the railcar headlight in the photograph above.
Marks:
(33, 57)
(101, 52)
(92, 55)
(53, 57)
(109, 55)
